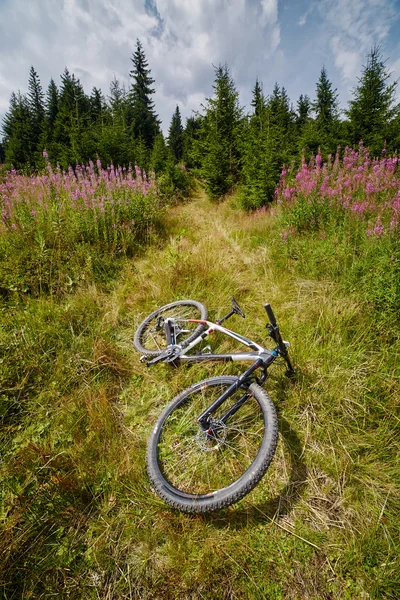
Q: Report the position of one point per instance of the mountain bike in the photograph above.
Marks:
(215, 441)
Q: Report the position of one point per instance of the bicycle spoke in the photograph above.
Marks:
(200, 462)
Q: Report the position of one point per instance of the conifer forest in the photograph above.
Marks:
(225, 146)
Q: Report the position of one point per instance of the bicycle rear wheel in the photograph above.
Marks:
(150, 336)
(199, 472)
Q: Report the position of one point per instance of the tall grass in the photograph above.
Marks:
(341, 219)
(62, 228)
(79, 519)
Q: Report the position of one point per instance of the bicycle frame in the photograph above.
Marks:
(260, 357)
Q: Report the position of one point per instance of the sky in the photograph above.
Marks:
(284, 41)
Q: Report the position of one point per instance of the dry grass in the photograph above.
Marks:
(79, 518)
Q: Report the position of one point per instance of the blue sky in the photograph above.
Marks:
(287, 41)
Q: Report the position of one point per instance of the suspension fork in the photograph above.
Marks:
(203, 419)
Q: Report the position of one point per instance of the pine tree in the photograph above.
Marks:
(191, 146)
(17, 127)
(220, 135)
(268, 141)
(36, 108)
(159, 155)
(145, 123)
(258, 101)
(322, 132)
(325, 106)
(303, 110)
(373, 110)
(51, 111)
(175, 136)
(72, 122)
(118, 142)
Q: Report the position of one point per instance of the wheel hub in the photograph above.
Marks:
(212, 438)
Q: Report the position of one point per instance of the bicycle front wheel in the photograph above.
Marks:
(150, 336)
(199, 471)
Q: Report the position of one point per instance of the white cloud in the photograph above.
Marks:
(352, 27)
(96, 38)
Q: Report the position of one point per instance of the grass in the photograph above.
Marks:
(78, 517)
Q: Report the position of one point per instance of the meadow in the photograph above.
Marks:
(78, 517)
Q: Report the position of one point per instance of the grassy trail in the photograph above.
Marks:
(321, 524)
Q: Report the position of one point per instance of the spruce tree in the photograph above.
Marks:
(326, 109)
(258, 100)
(145, 123)
(191, 146)
(36, 108)
(119, 103)
(51, 111)
(97, 105)
(118, 145)
(17, 127)
(72, 122)
(303, 110)
(175, 136)
(159, 154)
(326, 105)
(268, 142)
(220, 135)
(373, 110)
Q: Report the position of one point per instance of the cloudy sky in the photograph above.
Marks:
(287, 41)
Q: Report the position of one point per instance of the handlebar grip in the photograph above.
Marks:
(270, 314)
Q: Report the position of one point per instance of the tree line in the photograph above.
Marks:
(224, 145)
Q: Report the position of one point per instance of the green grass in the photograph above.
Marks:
(78, 517)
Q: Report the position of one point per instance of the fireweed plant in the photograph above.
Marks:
(351, 208)
(60, 227)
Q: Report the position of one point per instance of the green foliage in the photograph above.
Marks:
(144, 121)
(373, 110)
(268, 143)
(303, 110)
(17, 127)
(159, 155)
(219, 137)
(323, 132)
(175, 181)
(72, 121)
(191, 146)
(175, 136)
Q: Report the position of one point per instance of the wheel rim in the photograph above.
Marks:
(152, 337)
(197, 462)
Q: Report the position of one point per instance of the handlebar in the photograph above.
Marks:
(271, 315)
